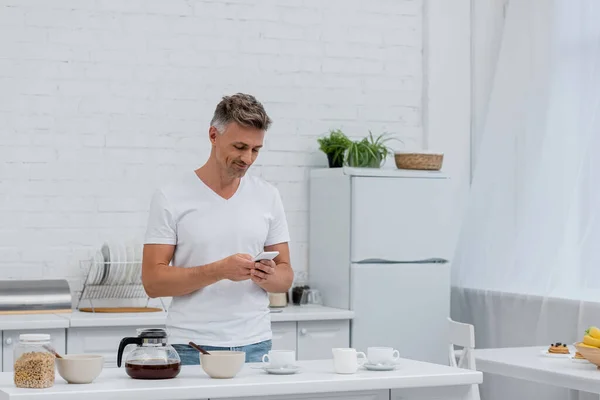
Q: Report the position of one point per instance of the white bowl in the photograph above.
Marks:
(222, 364)
(80, 368)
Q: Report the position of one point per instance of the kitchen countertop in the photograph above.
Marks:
(84, 319)
(33, 321)
(193, 383)
(290, 313)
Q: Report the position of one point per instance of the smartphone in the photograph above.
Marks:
(266, 255)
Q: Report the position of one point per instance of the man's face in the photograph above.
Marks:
(237, 148)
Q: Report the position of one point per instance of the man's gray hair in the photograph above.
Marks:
(243, 109)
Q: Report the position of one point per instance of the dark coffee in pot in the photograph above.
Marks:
(153, 370)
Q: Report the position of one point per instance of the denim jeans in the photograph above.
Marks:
(191, 356)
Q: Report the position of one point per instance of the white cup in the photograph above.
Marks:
(382, 355)
(347, 361)
(280, 358)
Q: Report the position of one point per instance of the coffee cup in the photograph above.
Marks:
(280, 358)
(382, 355)
(347, 360)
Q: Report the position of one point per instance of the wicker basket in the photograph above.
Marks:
(423, 161)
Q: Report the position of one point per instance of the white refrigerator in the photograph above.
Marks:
(379, 244)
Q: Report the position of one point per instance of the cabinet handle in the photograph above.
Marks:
(8, 341)
(303, 331)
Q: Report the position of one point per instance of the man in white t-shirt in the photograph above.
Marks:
(203, 230)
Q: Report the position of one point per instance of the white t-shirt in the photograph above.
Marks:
(205, 228)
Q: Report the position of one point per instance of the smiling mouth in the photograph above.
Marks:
(241, 166)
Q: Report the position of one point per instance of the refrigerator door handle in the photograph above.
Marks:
(433, 260)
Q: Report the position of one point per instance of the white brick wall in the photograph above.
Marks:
(101, 100)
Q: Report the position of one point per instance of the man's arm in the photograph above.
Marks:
(275, 276)
(161, 280)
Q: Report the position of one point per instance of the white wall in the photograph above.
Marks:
(448, 95)
(101, 100)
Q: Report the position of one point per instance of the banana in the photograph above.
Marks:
(586, 345)
(593, 332)
(587, 339)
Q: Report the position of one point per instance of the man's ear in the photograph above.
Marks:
(212, 135)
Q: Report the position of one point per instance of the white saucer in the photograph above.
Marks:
(288, 370)
(554, 355)
(579, 360)
(379, 367)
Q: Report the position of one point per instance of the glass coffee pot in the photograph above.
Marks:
(153, 358)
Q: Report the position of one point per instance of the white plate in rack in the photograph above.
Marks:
(115, 258)
(97, 268)
(106, 256)
(122, 268)
(137, 271)
(130, 251)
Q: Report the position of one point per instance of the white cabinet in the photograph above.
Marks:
(99, 340)
(317, 338)
(363, 395)
(284, 335)
(10, 339)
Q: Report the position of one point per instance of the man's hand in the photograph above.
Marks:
(236, 267)
(262, 271)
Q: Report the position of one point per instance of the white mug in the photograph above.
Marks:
(347, 360)
(382, 355)
(280, 358)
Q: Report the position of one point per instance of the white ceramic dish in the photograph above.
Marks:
(130, 251)
(379, 367)
(137, 271)
(97, 264)
(123, 270)
(114, 258)
(287, 370)
(554, 355)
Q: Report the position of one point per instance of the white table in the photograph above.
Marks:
(412, 380)
(527, 363)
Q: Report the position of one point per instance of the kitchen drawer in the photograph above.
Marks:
(284, 335)
(102, 340)
(317, 338)
(10, 339)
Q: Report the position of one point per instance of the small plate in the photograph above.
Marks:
(289, 370)
(379, 367)
(554, 355)
(579, 360)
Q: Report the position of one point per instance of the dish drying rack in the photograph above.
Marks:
(114, 280)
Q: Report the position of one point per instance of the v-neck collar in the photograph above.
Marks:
(218, 196)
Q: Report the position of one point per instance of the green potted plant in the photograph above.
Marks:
(369, 152)
(334, 146)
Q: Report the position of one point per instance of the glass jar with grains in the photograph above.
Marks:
(33, 365)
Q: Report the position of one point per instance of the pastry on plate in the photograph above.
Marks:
(578, 356)
(558, 348)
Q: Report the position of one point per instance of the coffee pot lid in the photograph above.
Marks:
(155, 333)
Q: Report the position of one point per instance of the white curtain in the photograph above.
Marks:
(527, 267)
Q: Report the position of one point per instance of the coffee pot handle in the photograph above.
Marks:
(124, 343)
